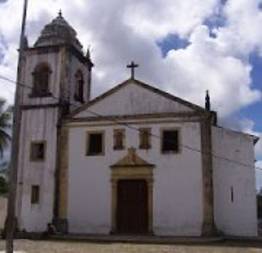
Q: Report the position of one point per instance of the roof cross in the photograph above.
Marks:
(132, 66)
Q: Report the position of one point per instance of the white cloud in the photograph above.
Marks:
(203, 66)
(259, 175)
(120, 31)
(159, 18)
(247, 126)
(243, 33)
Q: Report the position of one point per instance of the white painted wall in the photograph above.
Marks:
(177, 190)
(37, 125)
(133, 99)
(41, 125)
(240, 216)
(32, 60)
(57, 65)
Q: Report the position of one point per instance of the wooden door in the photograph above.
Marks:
(132, 207)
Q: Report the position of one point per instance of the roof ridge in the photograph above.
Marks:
(141, 84)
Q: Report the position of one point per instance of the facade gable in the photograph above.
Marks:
(133, 98)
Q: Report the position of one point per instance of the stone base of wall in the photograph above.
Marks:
(61, 225)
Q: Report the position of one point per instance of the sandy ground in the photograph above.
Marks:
(82, 247)
(28, 246)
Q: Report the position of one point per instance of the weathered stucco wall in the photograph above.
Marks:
(54, 60)
(132, 100)
(40, 118)
(37, 125)
(63, 65)
(177, 187)
(74, 64)
(237, 216)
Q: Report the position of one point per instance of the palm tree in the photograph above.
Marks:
(5, 118)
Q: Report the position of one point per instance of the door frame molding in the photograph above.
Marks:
(131, 173)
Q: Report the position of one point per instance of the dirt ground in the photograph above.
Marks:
(82, 247)
(28, 246)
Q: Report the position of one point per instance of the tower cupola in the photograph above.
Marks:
(58, 32)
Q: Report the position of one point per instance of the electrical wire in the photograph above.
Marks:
(132, 127)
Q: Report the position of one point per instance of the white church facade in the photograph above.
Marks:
(134, 160)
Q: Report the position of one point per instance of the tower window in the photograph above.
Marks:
(41, 78)
(119, 136)
(95, 144)
(35, 193)
(170, 141)
(37, 151)
(144, 138)
(79, 87)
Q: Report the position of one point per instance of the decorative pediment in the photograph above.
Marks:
(132, 160)
(134, 97)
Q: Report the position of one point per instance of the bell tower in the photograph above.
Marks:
(57, 79)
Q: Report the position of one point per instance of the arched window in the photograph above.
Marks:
(79, 87)
(41, 77)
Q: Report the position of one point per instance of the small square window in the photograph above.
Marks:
(95, 144)
(119, 137)
(38, 151)
(145, 138)
(170, 141)
(35, 192)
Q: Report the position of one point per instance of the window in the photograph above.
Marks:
(79, 87)
(144, 138)
(170, 141)
(119, 136)
(35, 194)
(95, 144)
(37, 151)
(41, 77)
(232, 194)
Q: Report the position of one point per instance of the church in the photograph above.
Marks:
(134, 160)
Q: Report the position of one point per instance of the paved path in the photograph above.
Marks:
(81, 247)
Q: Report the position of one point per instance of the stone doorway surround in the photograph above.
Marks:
(131, 167)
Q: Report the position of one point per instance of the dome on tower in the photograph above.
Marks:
(58, 32)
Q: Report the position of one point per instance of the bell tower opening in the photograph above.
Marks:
(41, 79)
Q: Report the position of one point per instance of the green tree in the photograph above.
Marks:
(5, 118)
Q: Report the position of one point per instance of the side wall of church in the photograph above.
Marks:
(177, 186)
(234, 183)
(37, 125)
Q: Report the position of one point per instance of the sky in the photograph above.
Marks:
(184, 47)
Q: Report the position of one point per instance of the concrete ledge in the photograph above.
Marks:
(244, 238)
(138, 239)
(147, 239)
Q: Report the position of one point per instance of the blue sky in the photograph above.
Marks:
(185, 48)
(253, 111)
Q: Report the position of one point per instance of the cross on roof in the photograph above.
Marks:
(132, 66)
